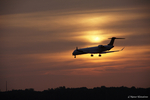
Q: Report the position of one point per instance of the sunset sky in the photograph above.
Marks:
(37, 38)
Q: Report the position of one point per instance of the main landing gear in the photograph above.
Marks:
(93, 55)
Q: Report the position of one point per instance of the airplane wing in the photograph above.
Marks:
(111, 51)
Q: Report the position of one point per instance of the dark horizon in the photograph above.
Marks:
(65, 87)
(81, 93)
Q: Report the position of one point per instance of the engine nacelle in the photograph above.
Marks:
(100, 46)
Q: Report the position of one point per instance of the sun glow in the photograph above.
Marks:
(95, 39)
(94, 36)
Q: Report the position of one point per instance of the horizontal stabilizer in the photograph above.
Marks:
(113, 39)
(116, 38)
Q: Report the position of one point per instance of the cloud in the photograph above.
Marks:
(20, 6)
(52, 27)
(41, 47)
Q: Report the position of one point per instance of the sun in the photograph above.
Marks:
(91, 36)
(95, 39)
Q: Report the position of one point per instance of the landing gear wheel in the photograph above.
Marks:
(91, 55)
(99, 55)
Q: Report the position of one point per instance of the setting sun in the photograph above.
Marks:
(94, 36)
(96, 39)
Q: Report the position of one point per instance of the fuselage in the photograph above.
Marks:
(92, 50)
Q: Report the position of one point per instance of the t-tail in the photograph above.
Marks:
(113, 39)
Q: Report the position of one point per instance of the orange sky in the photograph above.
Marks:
(37, 44)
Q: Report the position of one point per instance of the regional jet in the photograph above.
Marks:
(101, 49)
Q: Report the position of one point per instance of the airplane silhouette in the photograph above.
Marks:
(101, 49)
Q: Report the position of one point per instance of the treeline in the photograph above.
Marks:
(83, 93)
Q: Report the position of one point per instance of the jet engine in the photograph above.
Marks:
(101, 46)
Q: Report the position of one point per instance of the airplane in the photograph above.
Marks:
(101, 49)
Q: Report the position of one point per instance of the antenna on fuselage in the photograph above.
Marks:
(76, 48)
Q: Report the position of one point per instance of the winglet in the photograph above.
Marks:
(122, 48)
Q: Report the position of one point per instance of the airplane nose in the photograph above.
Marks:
(74, 52)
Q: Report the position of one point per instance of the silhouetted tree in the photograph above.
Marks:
(83, 93)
